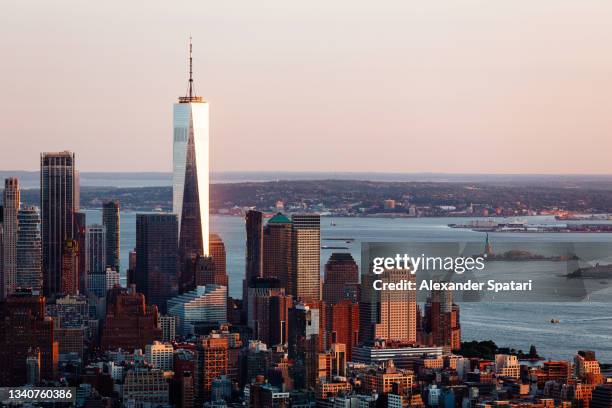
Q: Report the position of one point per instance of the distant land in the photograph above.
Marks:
(370, 198)
(30, 179)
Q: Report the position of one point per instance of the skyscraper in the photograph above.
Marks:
(277, 250)
(254, 253)
(80, 233)
(110, 220)
(441, 320)
(387, 314)
(267, 310)
(217, 253)
(95, 249)
(343, 325)
(340, 272)
(254, 245)
(12, 202)
(306, 254)
(156, 244)
(57, 203)
(29, 249)
(190, 178)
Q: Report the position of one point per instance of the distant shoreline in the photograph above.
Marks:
(30, 179)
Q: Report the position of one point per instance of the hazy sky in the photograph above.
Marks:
(319, 85)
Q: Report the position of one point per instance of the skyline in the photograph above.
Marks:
(500, 99)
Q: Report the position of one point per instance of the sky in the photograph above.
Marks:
(457, 86)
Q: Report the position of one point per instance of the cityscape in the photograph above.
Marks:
(178, 325)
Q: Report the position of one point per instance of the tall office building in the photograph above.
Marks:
(305, 341)
(12, 202)
(277, 250)
(254, 253)
(254, 245)
(95, 259)
(29, 249)
(387, 314)
(111, 221)
(217, 253)
(95, 249)
(57, 204)
(441, 320)
(80, 235)
(306, 255)
(156, 243)
(190, 179)
(267, 308)
(69, 281)
(343, 325)
(341, 272)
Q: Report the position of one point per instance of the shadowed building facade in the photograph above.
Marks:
(254, 254)
(80, 235)
(111, 222)
(441, 320)
(57, 206)
(156, 266)
(277, 251)
(24, 326)
(12, 203)
(130, 322)
(254, 245)
(341, 272)
(29, 249)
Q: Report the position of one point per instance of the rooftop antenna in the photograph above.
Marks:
(190, 97)
(190, 69)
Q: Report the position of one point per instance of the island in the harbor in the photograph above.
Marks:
(517, 255)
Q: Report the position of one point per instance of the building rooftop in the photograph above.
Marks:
(279, 218)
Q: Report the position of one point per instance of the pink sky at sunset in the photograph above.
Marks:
(400, 86)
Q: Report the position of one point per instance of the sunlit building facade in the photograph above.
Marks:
(190, 199)
(306, 256)
(204, 304)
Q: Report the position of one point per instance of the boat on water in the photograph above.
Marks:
(555, 321)
(492, 225)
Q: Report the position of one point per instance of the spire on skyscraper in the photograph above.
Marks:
(190, 68)
(191, 96)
